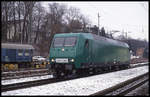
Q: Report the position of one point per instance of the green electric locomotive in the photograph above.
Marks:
(71, 53)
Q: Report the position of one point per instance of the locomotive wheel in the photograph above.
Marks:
(54, 73)
(110, 68)
(91, 70)
(117, 68)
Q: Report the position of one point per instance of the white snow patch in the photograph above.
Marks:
(12, 81)
(82, 86)
(132, 65)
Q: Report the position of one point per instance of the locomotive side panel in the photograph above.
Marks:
(108, 53)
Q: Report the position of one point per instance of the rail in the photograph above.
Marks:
(124, 87)
(22, 74)
(15, 86)
(21, 85)
(42, 72)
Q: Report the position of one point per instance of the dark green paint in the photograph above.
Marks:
(98, 51)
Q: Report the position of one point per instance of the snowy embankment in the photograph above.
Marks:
(82, 86)
(12, 81)
(138, 64)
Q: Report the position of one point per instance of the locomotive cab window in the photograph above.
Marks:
(64, 41)
(86, 44)
(70, 41)
(58, 42)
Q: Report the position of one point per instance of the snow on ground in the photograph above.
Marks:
(132, 65)
(12, 81)
(82, 86)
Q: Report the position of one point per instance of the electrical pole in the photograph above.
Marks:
(123, 34)
(126, 35)
(21, 37)
(98, 24)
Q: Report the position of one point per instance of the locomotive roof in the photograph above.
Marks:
(16, 46)
(86, 35)
(96, 37)
(115, 42)
(67, 34)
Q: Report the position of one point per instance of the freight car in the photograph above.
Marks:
(72, 53)
(14, 56)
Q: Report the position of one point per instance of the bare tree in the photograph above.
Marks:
(57, 11)
(38, 19)
(14, 21)
(85, 22)
(5, 15)
(53, 23)
(27, 20)
(21, 20)
(75, 20)
(20, 11)
(72, 19)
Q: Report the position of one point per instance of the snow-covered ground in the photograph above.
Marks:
(82, 86)
(132, 65)
(12, 81)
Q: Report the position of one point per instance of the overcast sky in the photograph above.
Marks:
(123, 16)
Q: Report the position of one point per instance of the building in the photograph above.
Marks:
(139, 52)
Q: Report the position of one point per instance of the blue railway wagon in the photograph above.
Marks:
(20, 54)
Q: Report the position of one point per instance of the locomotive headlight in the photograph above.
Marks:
(72, 60)
(52, 60)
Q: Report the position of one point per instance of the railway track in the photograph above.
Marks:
(42, 72)
(15, 86)
(39, 72)
(124, 88)
(24, 73)
(28, 84)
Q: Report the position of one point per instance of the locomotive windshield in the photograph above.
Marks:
(58, 42)
(64, 41)
(70, 41)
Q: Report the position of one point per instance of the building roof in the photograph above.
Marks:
(16, 46)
